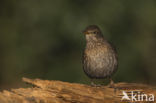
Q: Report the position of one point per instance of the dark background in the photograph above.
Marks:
(43, 39)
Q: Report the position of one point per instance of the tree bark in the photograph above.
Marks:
(50, 91)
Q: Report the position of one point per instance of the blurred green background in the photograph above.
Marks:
(43, 39)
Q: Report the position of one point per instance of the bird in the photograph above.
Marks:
(100, 59)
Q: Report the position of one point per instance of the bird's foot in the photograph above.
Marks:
(95, 85)
(111, 85)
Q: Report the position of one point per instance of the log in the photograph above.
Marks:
(51, 91)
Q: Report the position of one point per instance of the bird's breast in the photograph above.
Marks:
(100, 60)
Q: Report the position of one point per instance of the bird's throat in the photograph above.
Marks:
(91, 38)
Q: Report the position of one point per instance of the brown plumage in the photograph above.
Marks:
(99, 57)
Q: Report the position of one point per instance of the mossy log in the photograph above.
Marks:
(51, 91)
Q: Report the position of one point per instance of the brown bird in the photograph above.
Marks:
(99, 57)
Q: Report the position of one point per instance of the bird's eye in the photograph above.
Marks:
(95, 32)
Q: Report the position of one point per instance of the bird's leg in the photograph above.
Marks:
(111, 85)
(92, 83)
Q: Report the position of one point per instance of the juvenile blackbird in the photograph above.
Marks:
(99, 57)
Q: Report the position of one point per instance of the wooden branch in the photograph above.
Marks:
(46, 91)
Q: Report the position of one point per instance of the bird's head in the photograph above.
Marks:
(92, 32)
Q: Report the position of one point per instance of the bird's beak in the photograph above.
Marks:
(85, 32)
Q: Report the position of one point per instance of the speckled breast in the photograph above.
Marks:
(100, 61)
